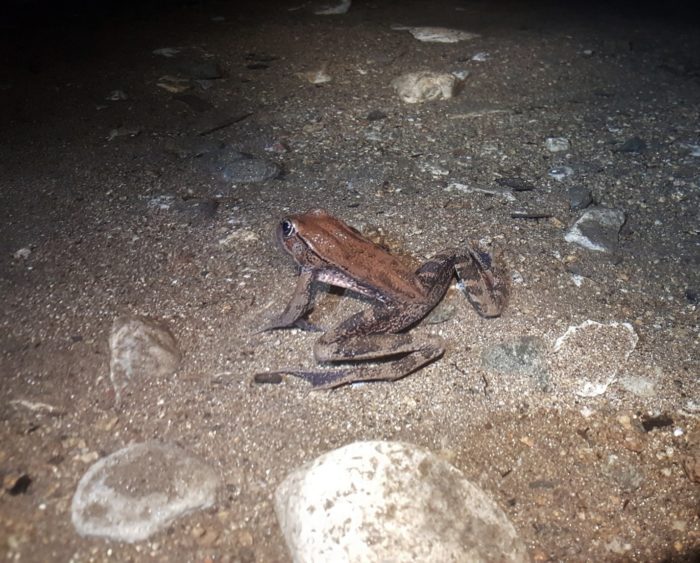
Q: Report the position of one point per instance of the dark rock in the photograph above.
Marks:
(200, 70)
(16, 483)
(659, 421)
(692, 296)
(529, 215)
(196, 209)
(579, 197)
(268, 378)
(515, 184)
(376, 115)
(195, 103)
(633, 145)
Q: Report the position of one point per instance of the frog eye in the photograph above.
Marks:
(287, 228)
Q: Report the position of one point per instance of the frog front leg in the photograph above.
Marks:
(298, 306)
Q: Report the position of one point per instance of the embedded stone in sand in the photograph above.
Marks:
(139, 490)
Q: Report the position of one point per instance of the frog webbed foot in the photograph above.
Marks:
(280, 323)
(484, 281)
(318, 379)
(325, 379)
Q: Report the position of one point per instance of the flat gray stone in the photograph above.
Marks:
(139, 490)
(390, 501)
(597, 229)
(232, 166)
(249, 170)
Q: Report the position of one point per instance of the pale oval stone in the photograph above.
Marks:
(389, 501)
(339, 8)
(140, 348)
(416, 87)
(139, 490)
(560, 173)
(437, 34)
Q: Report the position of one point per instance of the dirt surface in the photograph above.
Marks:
(82, 241)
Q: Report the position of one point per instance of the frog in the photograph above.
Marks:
(327, 250)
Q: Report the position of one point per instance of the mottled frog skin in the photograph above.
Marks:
(328, 250)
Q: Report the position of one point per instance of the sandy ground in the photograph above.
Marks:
(605, 478)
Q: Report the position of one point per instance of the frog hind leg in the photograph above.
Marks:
(388, 371)
(355, 340)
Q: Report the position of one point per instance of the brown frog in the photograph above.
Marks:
(329, 251)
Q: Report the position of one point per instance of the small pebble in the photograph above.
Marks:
(376, 115)
(559, 173)
(625, 421)
(167, 52)
(22, 253)
(117, 96)
(416, 87)
(268, 378)
(557, 144)
(16, 483)
(650, 423)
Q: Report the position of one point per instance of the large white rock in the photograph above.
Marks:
(390, 501)
(139, 490)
